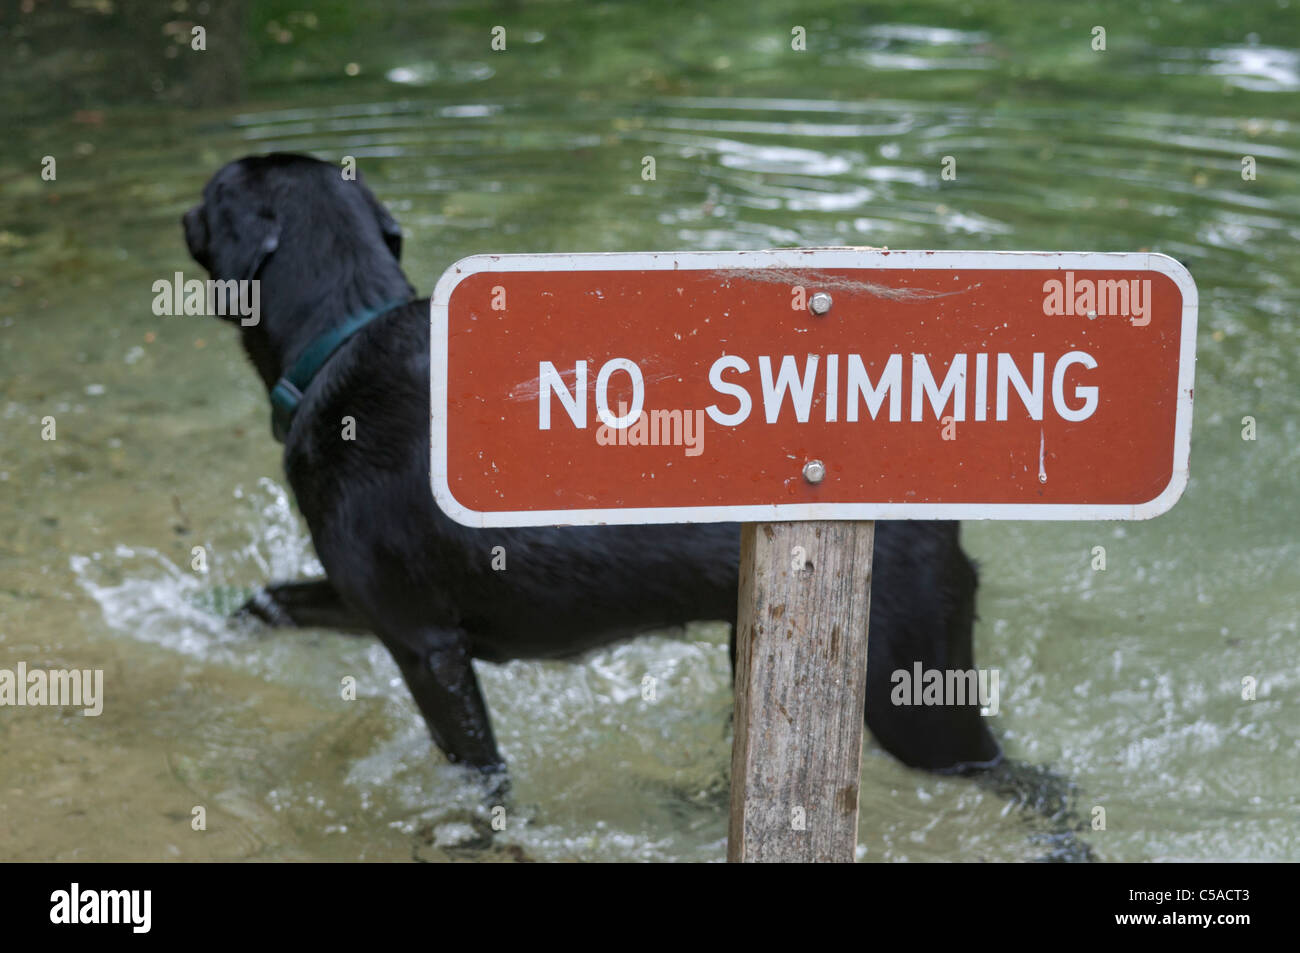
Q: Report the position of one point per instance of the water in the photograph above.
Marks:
(1124, 685)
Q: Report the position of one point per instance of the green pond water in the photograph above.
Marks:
(1122, 688)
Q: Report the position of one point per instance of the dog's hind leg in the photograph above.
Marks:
(922, 621)
(308, 604)
(440, 674)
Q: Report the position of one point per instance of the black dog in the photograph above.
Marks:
(325, 252)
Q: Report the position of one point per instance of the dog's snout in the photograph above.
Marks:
(190, 221)
(196, 234)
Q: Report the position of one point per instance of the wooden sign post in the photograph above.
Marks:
(801, 683)
(806, 393)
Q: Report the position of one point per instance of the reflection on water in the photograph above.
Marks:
(1121, 689)
(1264, 68)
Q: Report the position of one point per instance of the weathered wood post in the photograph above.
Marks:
(801, 678)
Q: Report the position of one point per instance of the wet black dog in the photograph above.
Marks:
(325, 250)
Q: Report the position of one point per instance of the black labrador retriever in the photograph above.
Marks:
(325, 252)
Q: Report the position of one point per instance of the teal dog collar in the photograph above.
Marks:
(288, 390)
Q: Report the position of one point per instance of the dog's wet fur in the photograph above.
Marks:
(324, 248)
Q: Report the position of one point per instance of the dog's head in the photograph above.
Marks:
(312, 242)
(290, 210)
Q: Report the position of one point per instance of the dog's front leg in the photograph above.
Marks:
(439, 670)
(311, 603)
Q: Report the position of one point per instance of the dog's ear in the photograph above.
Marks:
(388, 226)
(257, 232)
(392, 232)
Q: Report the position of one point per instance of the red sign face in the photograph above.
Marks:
(810, 384)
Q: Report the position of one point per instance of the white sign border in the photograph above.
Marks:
(802, 258)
